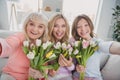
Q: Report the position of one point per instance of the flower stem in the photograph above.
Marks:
(82, 75)
(30, 78)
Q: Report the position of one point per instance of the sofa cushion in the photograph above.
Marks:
(5, 33)
(111, 70)
(103, 60)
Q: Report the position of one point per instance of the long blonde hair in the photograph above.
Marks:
(39, 17)
(51, 25)
(74, 26)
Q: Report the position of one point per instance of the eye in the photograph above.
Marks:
(41, 26)
(55, 25)
(86, 25)
(63, 26)
(31, 24)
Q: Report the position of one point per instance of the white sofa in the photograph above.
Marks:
(110, 64)
(111, 69)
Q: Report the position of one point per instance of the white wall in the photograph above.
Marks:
(104, 29)
(3, 15)
(54, 4)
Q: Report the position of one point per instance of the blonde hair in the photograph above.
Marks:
(51, 25)
(75, 23)
(39, 17)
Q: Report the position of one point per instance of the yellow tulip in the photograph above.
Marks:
(78, 56)
(65, 54)
(96, 48)
(49, 54)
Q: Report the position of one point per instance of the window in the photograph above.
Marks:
(17, 10)
(73, 8)
(70, 8)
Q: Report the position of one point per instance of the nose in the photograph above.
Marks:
(35, 28)
(82, 28)
(60, 28)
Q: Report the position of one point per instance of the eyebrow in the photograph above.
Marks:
(40, 23)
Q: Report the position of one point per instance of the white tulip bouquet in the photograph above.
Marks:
(60, 48)
(39, 55)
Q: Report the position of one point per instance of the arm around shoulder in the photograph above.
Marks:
(115, 48)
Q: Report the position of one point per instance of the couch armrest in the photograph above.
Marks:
(3, 61)
(111, 70)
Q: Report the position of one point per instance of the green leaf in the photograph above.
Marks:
(51, 59)
(116, 23)
(118, 7)
(25, 49)
(36, 60)
(56, 66)
(41, 52)
(49, 48)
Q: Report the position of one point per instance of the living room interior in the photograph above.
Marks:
(100, 11)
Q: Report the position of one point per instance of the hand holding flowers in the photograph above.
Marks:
(80, 68)
(62, 53)
(82, 50)
(52, 72)
(39, 55)
(35, 73)
(65, 62)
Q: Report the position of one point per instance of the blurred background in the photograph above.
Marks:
(105, 14)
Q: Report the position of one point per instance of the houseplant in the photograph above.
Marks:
(116, 25)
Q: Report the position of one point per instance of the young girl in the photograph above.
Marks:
(17, 68)
(59, 32)
(83, 28)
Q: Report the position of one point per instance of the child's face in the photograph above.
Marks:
(59, 29)
(83, 29)
(35, 29)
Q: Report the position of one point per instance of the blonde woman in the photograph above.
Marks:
(17, 68)
(59, 32)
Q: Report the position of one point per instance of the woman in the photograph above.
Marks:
(17, 68)
(59, 32)
(83, 28)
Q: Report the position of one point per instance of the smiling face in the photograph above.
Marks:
(83, 29)
(35, 29)
(59, 29)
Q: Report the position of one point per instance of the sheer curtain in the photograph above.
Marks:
(73, 8)
(13, 18)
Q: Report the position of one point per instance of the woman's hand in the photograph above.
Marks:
(0, 48)
(64, 62)
(52, 72)
(80, 68)
(35, 73)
